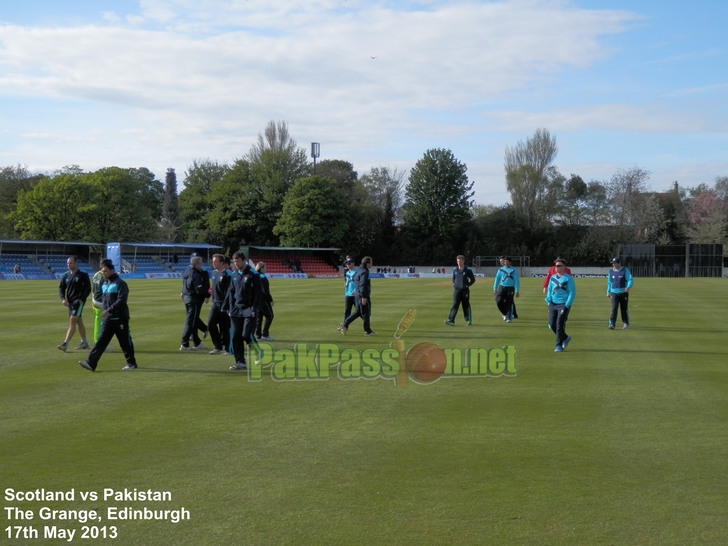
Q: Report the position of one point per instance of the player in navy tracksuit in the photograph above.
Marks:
(265, 311)
(619, 281)
(506, 286)
(115, 320)
(242, 303)
(462, 280)
(195, 292)
(218, 321)
(560, 296)
(73, 290)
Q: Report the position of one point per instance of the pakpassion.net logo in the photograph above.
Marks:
(423, 363)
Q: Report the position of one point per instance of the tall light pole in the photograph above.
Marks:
(315, 152)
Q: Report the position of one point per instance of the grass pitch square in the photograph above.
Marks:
(620, 439)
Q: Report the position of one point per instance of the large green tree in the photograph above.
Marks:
(496, 231)
(13, 179)
(595, 204)
(276, 163)
(570, 201)
(123, 212)
(195, 199)
(241, 203)
(151, 190)
(62, 208)
(342, 172)
(437, 205)
(234, 217)
(111, 204)
(314, 214)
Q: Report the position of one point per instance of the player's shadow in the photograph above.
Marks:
(145, 369)
(646, 351)
(679, 329)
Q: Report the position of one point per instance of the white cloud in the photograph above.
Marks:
(194, 78)
(644, 118)
(426, 60)
(60, 137)
(111, 17)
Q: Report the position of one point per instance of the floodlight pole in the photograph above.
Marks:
(315, 152)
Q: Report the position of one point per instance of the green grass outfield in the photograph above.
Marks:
(621, 439)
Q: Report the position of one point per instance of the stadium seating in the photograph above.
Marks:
(308, 264)
(144, 264)
(27, 266)
(57, 263)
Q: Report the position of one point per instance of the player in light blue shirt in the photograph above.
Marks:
(506, 286)
(560, 296)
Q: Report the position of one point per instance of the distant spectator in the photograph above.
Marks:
(16, 269)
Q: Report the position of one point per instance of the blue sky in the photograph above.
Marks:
(160, 83)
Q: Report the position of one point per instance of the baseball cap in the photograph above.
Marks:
(194, 255)
(616, 261)
(349, 261)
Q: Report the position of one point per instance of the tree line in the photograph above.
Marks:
(271, 196)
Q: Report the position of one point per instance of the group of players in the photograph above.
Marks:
(241, 304)
(242, 307)
(559, 288)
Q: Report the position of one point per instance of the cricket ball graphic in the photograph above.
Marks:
(426, 361)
